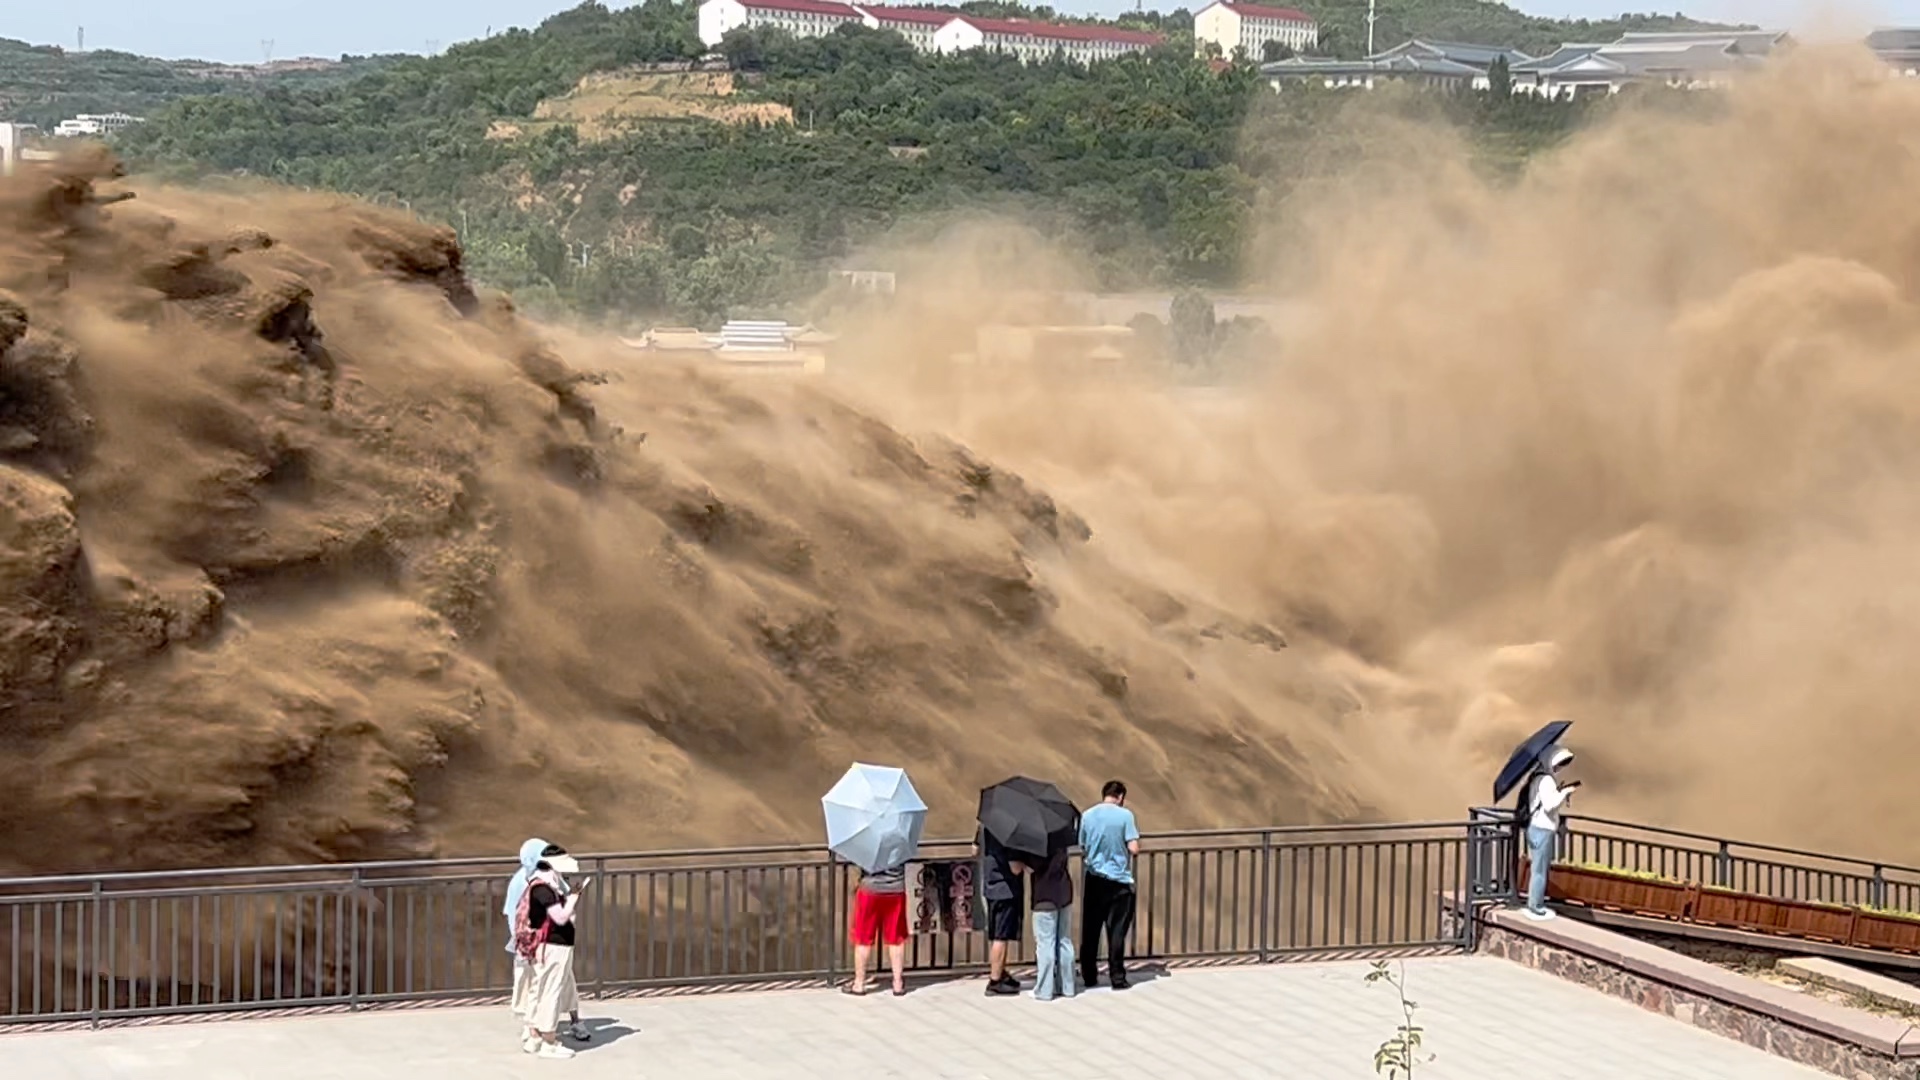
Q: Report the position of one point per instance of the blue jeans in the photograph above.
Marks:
(1540, 854)
(1053, 956)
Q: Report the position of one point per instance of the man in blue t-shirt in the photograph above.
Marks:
(1109, 842)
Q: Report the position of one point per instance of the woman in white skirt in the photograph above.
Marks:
(540, 906)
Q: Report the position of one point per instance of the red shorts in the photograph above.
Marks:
(879, 915)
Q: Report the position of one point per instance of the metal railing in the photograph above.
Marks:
(1777, 872)
(92, 948)
(1763, 869)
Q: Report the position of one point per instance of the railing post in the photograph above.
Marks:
(600, 928)
(1266, 884)
(832, 921)
(1723, 867)
(94, 968)
(1879, 887)
(353, 942)
(1465, 907)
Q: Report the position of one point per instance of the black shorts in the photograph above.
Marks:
(1003, 920)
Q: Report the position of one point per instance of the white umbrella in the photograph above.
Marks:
(874, 817)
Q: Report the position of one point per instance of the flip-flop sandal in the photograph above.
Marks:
(847, 989)
(900, 991)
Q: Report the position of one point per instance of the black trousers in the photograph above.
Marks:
(1107, 907)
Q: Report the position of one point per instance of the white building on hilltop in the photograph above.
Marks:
(917, 25)
(95, 124)
(1228, 26)
(1030, 40)
(925, 29)
(801, 18)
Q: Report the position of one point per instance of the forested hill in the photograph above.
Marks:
(44, 84)
(578, 174)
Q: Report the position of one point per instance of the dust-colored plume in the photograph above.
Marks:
(308, 550)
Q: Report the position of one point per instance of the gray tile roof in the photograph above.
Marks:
(1297, 67)
(1475, 56)
(1894, 39)
(1746, 42)
(1565, 54)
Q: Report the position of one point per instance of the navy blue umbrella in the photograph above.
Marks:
(1527, 756)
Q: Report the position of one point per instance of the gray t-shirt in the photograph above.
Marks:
(893, 880)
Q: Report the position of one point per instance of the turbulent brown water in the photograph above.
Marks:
(308, 551)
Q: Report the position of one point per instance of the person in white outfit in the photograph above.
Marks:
(531, 854)
(543, 938)
(1545, 797)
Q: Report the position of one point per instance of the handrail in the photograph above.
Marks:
(159, 943)
(1870, 864)
(499, 861)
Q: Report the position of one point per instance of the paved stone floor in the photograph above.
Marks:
(1295, 1021)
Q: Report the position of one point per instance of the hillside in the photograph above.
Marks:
(44, 84)
(1143, 168)
(373, 557)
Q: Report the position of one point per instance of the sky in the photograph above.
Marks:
(236, 31)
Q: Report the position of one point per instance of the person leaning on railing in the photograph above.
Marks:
(1109, 842)
(879, 911)
(1052, 892)
(1545, 797)
(1005, 893)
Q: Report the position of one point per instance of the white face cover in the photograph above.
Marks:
(1560, 758)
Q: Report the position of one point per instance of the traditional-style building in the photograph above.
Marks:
(1440, 65)
(1688, 61)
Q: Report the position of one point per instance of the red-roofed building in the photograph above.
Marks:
(917, 25)
(1244, 29)
(1030, 40)
(801, 18)
(925, 29)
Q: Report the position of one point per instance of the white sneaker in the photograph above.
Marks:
(529, 1043)
(1538, 916)
(554, 1050)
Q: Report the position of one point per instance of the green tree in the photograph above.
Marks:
(1500, 78)
(1191, 326)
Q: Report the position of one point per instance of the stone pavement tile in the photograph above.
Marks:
(1306, 1021)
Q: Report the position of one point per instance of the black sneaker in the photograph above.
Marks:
(1121, 983)
(1007, 987)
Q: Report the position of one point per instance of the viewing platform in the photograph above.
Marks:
(1250, 954)
(1485, 1018)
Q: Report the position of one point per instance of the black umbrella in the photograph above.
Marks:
(1527, 756)
(1028, 815)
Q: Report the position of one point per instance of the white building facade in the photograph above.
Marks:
(1031, 41)
(925, 30)
(95, 124)
(801, 18)
(1246, 28)
(917, 25)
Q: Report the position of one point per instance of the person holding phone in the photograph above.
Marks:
(543, 939)
(1545, 797)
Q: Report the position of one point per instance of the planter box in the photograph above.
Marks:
(1619, 892)
(1766, 915)
(1872, 930)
